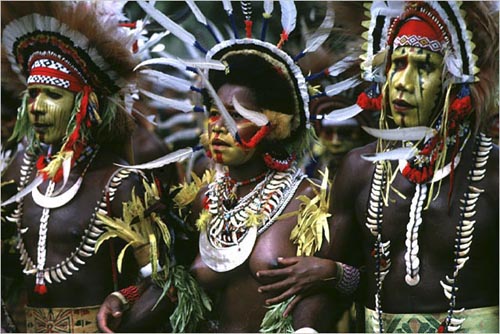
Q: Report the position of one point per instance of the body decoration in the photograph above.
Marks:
(439, 30)
(61, 271)
(227, 239)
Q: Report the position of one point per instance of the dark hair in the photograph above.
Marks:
(271, 87)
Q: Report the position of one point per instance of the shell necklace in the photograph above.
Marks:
(231, 232)
(464, 235)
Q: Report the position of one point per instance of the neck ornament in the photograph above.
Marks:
(232, 231)
(463, 239)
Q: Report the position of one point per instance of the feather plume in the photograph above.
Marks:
(197, 12)
(343, 85)
(177, 119)
(25, 191)
(182, 135)
(229, 121)
(321, 34)
(167, 23)
(268, 7)
(228, 7)
(184, 65)
(255, 117)
(413, 133)
(404, 153)
(344, 113)
(288, 15)
(176, 156)
(167, 80)
(341, 65)
(169, 103)
(155, 38)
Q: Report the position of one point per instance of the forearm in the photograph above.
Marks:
(142, 316)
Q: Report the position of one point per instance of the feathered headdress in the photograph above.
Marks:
(452, 29)
(255, 60)
(80, 47)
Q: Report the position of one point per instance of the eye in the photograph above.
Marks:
(399, 63)
(54, 95)
(33, 92)
(426, 66)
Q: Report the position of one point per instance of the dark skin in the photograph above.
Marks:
(436, 240)
(89, 285)
(66, 227)
(239, 308)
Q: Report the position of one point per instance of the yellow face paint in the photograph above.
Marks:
(50, 111)
(223, 147)
(414, 84)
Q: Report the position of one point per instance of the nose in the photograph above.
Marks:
(38, 105)
(218, 126)
(405, 79)
(336, 139)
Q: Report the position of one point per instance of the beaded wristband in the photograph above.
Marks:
(131, 294)
(347, 278)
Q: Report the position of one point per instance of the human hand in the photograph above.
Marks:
(110, 314)
(300, 276)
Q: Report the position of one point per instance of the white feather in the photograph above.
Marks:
(167, 23)
(268, 6)
(176, 119)
(167, 80)
(228, 120)
(176, 156)
(255, 117)
(341, 65)
(342, 86)
(155, 38)
(197, 12)
(169, 103)
(211, 64)
(413, 133)
(403, 153)
(216, 31)
(288, 15)
(344, 113)
(228, 7)
(321, 34)
(25, 191)
(182, 135)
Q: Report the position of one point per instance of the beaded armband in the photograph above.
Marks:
(128, 295)
(347, 278)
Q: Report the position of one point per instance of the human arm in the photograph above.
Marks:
(302, 276)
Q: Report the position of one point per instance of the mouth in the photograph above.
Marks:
(401, 106)
(40, 127)
(217, 144)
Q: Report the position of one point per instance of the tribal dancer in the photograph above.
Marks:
(260, 205)
(75, 63)
(419, 208)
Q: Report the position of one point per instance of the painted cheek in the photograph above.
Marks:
(247, 130)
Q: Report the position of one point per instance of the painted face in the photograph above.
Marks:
(224, 148)
(50, 111)
(341, 139)
(414, 85)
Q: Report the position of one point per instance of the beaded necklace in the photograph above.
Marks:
(59, 272)
(232, 231)
(463, 238)
(231, 190)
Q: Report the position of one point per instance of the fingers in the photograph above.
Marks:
(272, 273)
(284, 296)
(102, 317)
(278, 286)
(291, 306)
(288, 261)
